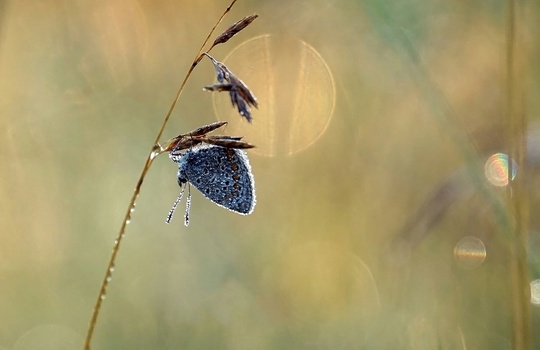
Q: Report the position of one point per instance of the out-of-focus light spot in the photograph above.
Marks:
(295, 89)
(496, 169)
(535, 292)
(470, 252)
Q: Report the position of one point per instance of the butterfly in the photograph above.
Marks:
(215, 165)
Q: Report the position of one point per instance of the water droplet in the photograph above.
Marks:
(102, 296)
(470, 252)
(111, 269)
(496, 169)
(128, 221)
(535, 292)
(109, 278)
(156, 151)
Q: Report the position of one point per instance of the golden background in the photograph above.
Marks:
(364, 235)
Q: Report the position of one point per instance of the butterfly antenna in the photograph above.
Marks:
(188, 207)
(171, 212)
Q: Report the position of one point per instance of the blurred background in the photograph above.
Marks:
(375, 225)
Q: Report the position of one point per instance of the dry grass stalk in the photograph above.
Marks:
(240, 94)
(234, 29)
(199, 135)
(157, 149)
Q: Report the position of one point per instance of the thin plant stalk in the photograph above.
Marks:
(154, 151)
(512, 216)
(516, 125)
(445, 116)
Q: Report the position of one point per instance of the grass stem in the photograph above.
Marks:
(154, 151)
(517, 203)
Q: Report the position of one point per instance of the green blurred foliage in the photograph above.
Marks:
(84, 87)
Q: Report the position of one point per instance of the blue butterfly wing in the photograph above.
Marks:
(221, 174)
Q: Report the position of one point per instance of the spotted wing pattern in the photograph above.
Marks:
(221, 174)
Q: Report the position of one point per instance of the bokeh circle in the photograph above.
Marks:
(295, 90)
(470, 252)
